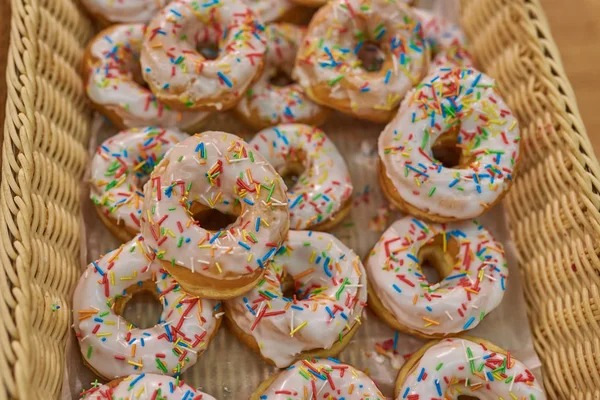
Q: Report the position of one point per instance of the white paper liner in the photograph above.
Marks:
(228, 369)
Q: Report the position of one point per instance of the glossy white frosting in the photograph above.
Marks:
(114, 347)
(112, 59)
(279, 104)
(271, 10)
(455, 367)
(315, 378)
(120, 166)
(128, 11)
(218, 170)
(146, 386)
(171, 63)
(325, 185)
(328, 55)
(447, 41)
(488, 131)
(458, 302)
(330, 285)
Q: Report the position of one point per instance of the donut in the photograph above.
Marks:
(469, 261)
(329, 66)
(187, 79)
(208, 173)
(447, 41)
(465, 367)
(108, 12)
(308, 304)
(150, 386)
(308, 379)
(267, 104)
(114, 84)
(119, 167)
(452, 151)
(321, 196)
(311, 3)
(276, 10)
(110, 345)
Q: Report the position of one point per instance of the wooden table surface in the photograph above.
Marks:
(575, 26)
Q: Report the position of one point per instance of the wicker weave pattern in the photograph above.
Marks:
(43, 157)
(553, 208)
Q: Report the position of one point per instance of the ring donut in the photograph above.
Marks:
(452, 151)
(112, 346)
(215, 171)
(470, 263)
(329, 67)
(447, 41)
(119, 166)
(114, 84)
(268, 104)
(309, 303)
(109, 12)
(465, 367)
(277, 10)
(307, 379)
(186, 79)
(322, 195)
(150, 385)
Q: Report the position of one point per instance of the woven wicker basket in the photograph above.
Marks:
(553, 207)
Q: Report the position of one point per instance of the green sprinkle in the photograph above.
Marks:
(432, 191)
(89, 353)
(439, 366)
(335, 80)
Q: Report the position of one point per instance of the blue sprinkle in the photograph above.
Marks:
(136, 380)
(225, 79)
(469, 322)
(397, 288)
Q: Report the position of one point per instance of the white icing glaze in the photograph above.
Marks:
(112, 61)
(128, 11)
(115, 348)
(325, 185)
(445, 371)
(473, 289)
(271, 10)
(279, 104)
(447, 41)
(314, 379)
(488, 131)
(171, 63)
(220, 171)
(329, 279)
(328, 55)
(121, 164)
(146, 386)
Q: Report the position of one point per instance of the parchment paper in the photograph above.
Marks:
(228, 370)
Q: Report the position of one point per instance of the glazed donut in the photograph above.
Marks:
(131, 11)
(267, 104)
(119, 167)
(447, 41)
(150, 385)
(452, 151)
(307, 379)
(322, 195)
(215, 171)
(112, 346)
(331, 72)
(463, 367)
(470, 263)
(114, 85)
(275, 10)
(184, 78)
(328, 283)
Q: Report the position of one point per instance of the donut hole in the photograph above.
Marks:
(211, 219)
(140, 305)
(280, 78)
(371, 56)
(291, 287)
(449, 152)
(209, 50)
(293, 168)
(436, 260)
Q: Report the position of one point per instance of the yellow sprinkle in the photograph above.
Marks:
(139, 365)
(296, 329)
(430, 321)
(103, 334)
(218, 267)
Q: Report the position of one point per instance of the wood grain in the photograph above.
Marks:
(575, 26)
